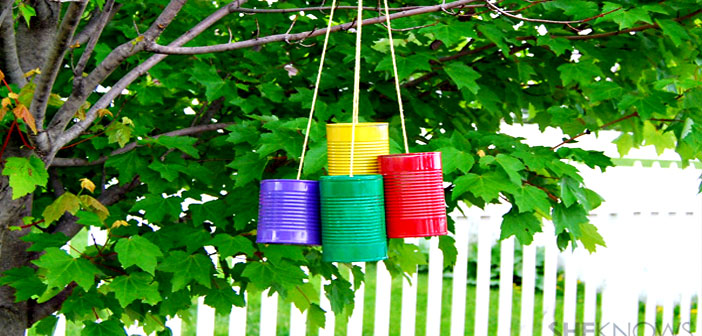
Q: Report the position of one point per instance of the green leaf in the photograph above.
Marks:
(301, 295)
(127, 165)
(119, 133)
(104, 328)
(452, 159)
(571, 191)
(186, 268)
(496, 35)
(169, 171)
(62, 269)
(451, 34)
(25, 175)
(569, 218)
(582, 72)
(25, 282)
(590, 237)
(463, 76)
(42, 240)
(243, 132)
(512, 166)
(521, 225)
(316, 317)
(447, 245)
(228, 245)
(137, 250)
(67, 202)
(406, 256)
(649, 105)
(340, 295)
(577, 9)
(135, 286)
(275, 252)
(184, 144)
(557, 45)
(27, 12)
(658, 138)
(158, 207)
(604, 90)
(530, 198)
(260, 275)
(406, 65)
(46, 326)
(222, 297)
(249, 167)
(88, 219)
(315, 158)
(674, 30)
(207, 76)
(487, 186)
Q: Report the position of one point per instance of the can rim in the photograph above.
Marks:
(364, 177)
(419, 154)
(289, 180)
(362, 124)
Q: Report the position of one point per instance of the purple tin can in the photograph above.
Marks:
(288, 212)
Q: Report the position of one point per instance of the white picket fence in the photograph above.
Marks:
(651, 221)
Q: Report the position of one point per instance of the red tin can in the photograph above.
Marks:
(414, 194)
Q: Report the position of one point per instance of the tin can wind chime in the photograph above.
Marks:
(414, 194)
(353, 212)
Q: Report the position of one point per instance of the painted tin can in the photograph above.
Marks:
(288, 212)
(371, 140)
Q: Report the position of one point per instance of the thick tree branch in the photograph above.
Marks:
(299, 36)
(12, 69)
(52, 65)
(141, 69)
(86, 86)
(75, 162)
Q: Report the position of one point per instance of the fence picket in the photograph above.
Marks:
(667, 327)
(382, 300)
(590, 304)
(435, 277)
(175, 324)
(330, 321)
(650, 313)
(205, 318)
(550, 267)
(460, 277)
(355, 325)
(570, 295)
(504, 318)
(685, 313)
(409, 300)
(237, 322)
(526, 320)
(298, 321)
(60, 329)
(269, 314)
(699, 311)
(482, 295)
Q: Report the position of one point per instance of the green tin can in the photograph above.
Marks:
(353, 218)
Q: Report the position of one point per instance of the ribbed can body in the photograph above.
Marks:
(353, 218)
(288, 212)
(414, 195)
(371, 140)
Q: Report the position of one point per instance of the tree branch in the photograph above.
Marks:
(86, 86)
(103, 18)
(141, 69)
(9, 46)
(50, 69)
(96, 20)
(38, 311)
(77, 162)
(177, 50)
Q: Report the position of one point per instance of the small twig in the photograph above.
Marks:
(635, 114)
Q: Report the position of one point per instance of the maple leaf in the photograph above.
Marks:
(21, 112)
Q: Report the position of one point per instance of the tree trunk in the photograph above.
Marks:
(13, 253)
(34, 42)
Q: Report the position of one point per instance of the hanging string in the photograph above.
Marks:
(316, 89)
(356, 83)
(397, 79)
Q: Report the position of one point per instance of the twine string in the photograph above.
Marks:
(397, 79)
(356, 83)
(316, 90)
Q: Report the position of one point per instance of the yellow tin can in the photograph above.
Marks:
(371, 140)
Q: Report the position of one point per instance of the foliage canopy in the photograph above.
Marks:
(103, 130)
